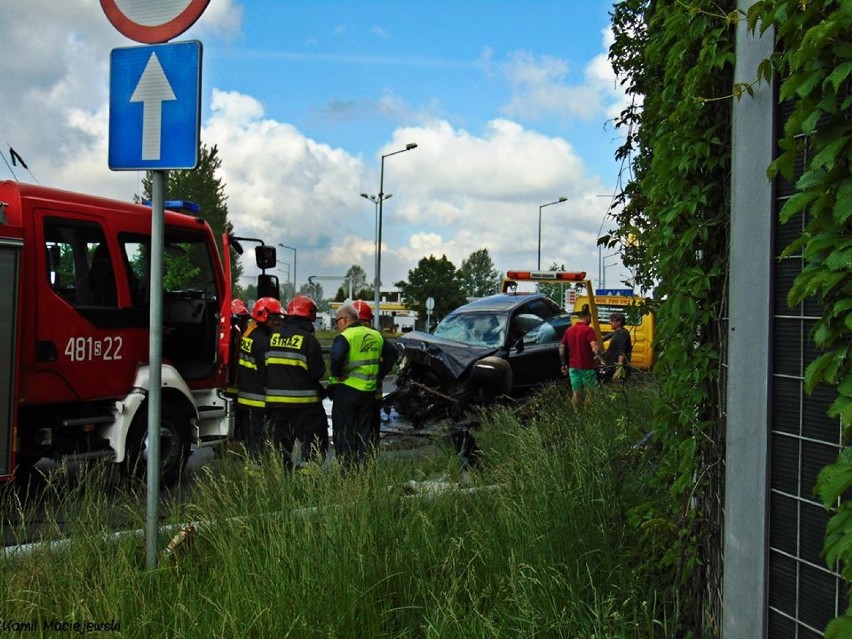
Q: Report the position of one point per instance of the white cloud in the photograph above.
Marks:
(53, 65)
(55, 70)
(540, 89)
(351, 250)
(459, 191)
(455, 193)
(278, 181)
(221, 18)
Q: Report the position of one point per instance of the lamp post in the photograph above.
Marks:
(600, 247)
(295, 284)
(375, 200)
(605, 266)
(381, 198)
(560, 200)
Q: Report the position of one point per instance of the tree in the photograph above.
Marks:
(314, 291)
(287, 291)
(205, 189)
(360, 290)
(436, 278)
(477, 275)
(246, 293)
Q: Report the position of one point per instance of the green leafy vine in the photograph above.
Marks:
(675, 59)
(814, 58)
(672, 224)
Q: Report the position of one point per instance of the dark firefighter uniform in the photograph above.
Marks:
(251, 385)
(356, 368)
(294, 367)
(240, 320)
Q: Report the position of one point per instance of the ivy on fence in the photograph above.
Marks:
(814, 58)
(675, 59)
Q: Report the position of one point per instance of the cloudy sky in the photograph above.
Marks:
(510, 104)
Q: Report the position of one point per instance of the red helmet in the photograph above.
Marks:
(365, 311)
(302, 306)
(238, 307)
(264, 307)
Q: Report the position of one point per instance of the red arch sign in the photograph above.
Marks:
(153, 21)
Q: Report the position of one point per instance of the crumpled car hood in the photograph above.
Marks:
(445, 357)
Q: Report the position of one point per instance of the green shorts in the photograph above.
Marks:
(582, 378)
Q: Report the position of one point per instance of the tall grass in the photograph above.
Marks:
(533, 542)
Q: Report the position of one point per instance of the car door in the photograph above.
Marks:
(534, 357)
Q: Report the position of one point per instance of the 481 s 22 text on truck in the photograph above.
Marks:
(74, 334)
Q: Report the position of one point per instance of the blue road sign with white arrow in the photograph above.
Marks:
(155, 107)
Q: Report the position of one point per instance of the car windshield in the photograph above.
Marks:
(473, 329)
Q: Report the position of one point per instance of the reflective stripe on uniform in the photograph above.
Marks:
(350, 368)
(248, 362)
(284, 358)
(251, 399)
(365, 376)
(292, 396)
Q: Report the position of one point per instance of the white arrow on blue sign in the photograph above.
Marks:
(155, 107)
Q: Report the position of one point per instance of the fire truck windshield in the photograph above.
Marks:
(187, 264)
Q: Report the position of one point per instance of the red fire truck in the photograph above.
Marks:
(74, 334)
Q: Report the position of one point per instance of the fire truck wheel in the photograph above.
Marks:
(174, 445)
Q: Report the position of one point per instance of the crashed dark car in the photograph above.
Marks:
(504, 344)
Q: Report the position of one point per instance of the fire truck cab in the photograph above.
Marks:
(74, 334)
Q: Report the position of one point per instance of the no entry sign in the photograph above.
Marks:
(153, 21)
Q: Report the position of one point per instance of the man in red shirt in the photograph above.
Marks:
(577, 351)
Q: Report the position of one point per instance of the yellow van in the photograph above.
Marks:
(640, 324)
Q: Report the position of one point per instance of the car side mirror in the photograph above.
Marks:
(519, 345)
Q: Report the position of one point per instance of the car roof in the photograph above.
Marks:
(498, 303)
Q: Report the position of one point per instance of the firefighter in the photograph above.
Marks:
(356, 367)
(295, 366)
(389, 356)
(240, 318)
(251, 375)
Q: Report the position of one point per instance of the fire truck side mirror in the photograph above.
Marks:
(265, 256)
(267, 285)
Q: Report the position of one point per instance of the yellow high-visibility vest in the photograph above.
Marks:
(365, 355)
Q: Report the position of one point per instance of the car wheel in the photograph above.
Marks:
(491, 377)
(174, 445)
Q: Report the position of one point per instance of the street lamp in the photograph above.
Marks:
(375, 200)
(560, 200)
(605, 266)
(381, 198)
(295, 284)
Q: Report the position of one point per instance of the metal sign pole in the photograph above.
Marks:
(155, 358)
(139, 75)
